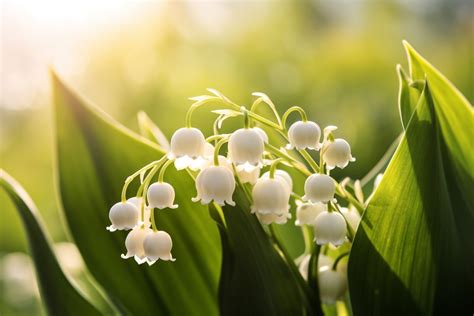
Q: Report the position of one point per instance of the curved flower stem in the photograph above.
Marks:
(161, 175)
(196, 105)
(342, 255)
(144, 187)
(270, 105)
(297, 164)
(152, 219)
(308, 237)
(137, 173)
(310, 160)
(218, 148)
(273, 167)
(291, 110)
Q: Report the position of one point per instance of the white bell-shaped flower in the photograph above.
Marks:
(137, 201)
(319, 188)
(134, 244)
(246, 149)
(283, 175)
(352, 216)
(332, 285)
(323, 261)
(157, 245)
(215, 183)
(337, 154)
(271, 196)
(187, 148)
(223, 161)
(268, 219)
(330, 227)
(262, 134)
(249, 177)
(161, 195)
(123, 216)
(304, 135)
(306, 213)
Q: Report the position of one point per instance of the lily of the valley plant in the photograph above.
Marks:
(327, 212)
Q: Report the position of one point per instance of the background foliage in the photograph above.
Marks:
(334, 59)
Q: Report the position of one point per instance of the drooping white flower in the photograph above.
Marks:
(137, 201)
(306, 213)
(352, 216)
(337, 154)
(271, 196)
(123, 216)
(157, 245)
(304, 135)
(332, 285)
(262, 134)
(161, 195)
(134, 244)
(330, 227)
(249, 177)
(268, 219)
(215, 183)
(283, 175)
(246, 149)
(319, 188)
(323, 261)
(187, 147)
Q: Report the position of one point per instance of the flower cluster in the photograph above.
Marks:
(261, 169)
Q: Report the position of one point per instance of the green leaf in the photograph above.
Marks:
(412, 252)
(407, 97)
(95, 155)
(255, 279)
(149, 130)
(59, 296)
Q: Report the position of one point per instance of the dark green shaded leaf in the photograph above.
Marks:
(95, 155)
(58, 295)
(255, 279)
(412, 252)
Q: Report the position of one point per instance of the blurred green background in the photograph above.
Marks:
(335, 58)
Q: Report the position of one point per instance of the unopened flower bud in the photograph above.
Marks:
(134, 244)
(157, 245)
(330, 227)
(337, 154)
(319, 188)
(352, 216)
(187, 147)
(123, 215)
(215, 183)
(161, 195)
(306, 213)
(283, 175)
(246, 149)
(304, 135)
(332, 285)
(271, 196)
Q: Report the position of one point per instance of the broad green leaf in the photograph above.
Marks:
(407, 97)
(94, 156)
(412, 252)
(255, 279)
(455, 117)
(58, 294)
